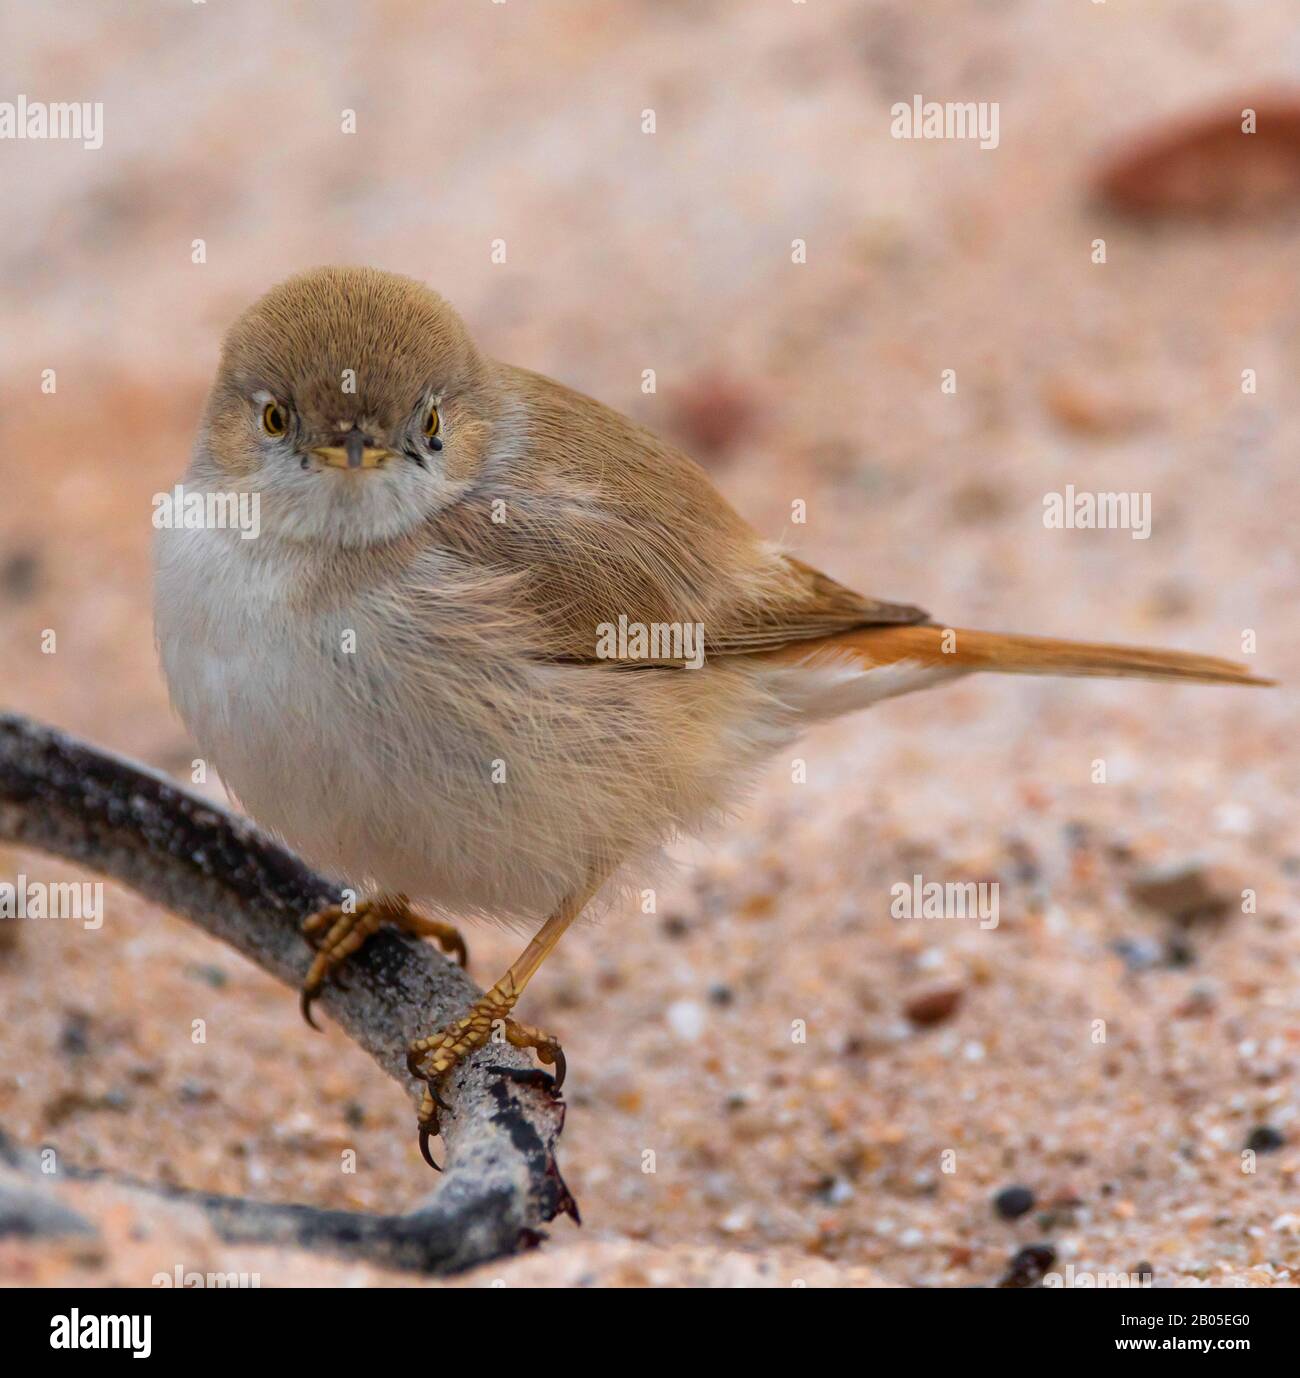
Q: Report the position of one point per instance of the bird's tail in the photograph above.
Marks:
(872, 663)
(1039, 655)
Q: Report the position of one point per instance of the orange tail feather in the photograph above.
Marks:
(953, 648)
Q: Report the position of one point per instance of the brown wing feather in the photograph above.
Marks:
(599, 519)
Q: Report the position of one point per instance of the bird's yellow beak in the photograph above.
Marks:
(353, 456)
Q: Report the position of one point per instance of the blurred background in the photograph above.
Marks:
(814, 381)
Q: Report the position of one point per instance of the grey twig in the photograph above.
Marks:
(501, 1182)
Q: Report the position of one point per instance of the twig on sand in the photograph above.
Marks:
(501, 1182)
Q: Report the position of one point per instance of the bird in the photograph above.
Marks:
(495, 644)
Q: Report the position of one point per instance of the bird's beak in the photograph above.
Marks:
(354, 453)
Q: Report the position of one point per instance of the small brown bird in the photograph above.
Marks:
(495, 644)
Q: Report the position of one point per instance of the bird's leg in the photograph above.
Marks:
(336, 933)
(433, 1058)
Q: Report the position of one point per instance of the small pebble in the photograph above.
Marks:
(933, 1006)
(19, 575)
(736, 1221)
(1139, 954)
(834, 1191)
(1265, 1139)
(1179, 953)
(208, 973)
(74, 1037)
(1028, 1266)
(715, 412)
(1188, 892)
(1013, 1202)
(1234, 819)
(686, 1019)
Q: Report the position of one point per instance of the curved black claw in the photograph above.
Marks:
(306, 998)
(413, 1064)
(426, 1133)
(457, 950)
(561, 1066)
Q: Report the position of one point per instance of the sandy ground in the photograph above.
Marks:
(1112, 1059)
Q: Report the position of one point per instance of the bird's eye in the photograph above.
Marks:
(273, 419)
(432, 423)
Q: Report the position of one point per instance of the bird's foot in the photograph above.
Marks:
(336, 932)
(433, 1059)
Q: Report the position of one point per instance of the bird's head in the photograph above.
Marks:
(353, 401)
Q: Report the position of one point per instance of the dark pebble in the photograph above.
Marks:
(1078, 836)
(74, 1037)
(1179, 953)
(208, 973)
(933, 1006)
(1187, 892)
(715, 411)
(19, 575)
(1013, 1202)
(1028, 1266)
(1265, 1139)
(1139, 954)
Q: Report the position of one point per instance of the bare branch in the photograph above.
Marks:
(501, 1181)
